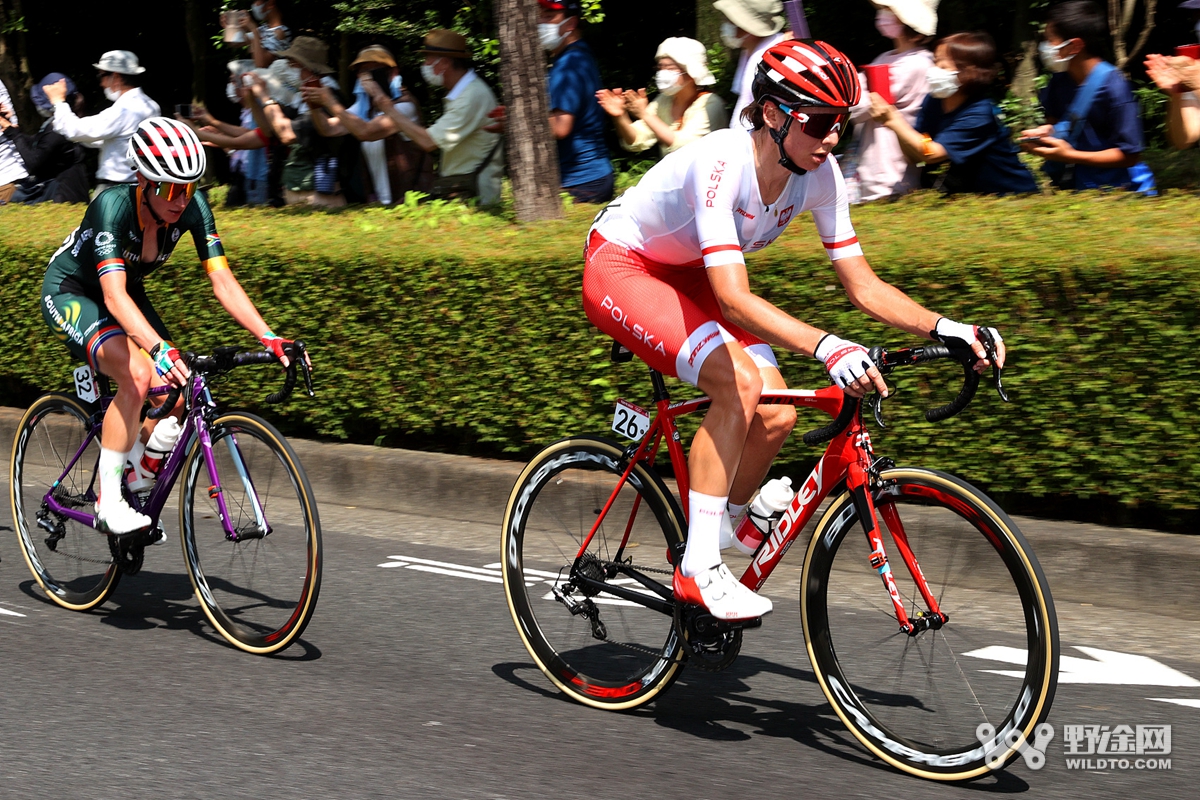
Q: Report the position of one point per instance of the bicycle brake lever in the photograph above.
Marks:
(875, 401)
(302, 363)
(989, 349)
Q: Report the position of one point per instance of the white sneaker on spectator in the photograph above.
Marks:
(117, 517)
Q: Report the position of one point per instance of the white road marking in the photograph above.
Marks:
(1179, 701)
(8, 613)
(485, 574)
(1104, 667)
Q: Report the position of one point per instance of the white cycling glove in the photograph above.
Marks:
(845, 361)
(953, 333)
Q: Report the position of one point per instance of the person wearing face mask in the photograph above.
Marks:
(266, 33)
(110, 130)
(472, 157)
(55, 164)
(576, 120)
(959, 123)
(396, 165)
(681, 114)
(667, 259)
(881, 168)
(12, 168)
(751, 27)
(1179, 77)
(1098, 146)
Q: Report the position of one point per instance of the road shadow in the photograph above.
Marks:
(723, 706)
(162, 600)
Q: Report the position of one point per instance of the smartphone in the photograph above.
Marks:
(312, 83)
(1036, 141)
(185, 110)
(383, 77)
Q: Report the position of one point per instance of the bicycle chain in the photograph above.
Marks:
(637, 647)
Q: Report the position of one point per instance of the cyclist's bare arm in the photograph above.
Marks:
(134, 322)
(884, 302)
(767, 321)
(237, 303)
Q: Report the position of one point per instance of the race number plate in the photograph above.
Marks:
(630, 421)
(85, 386)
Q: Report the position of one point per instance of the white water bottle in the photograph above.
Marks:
(162, 440)
(774, 498)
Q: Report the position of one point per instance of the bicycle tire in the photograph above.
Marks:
(260, 591)
(990, 584)
(551, 509)
(77, 569)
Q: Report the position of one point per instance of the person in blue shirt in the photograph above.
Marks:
(575, 117)
(959, 123)
(1110, 140)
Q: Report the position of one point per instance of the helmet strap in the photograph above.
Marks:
(785, 161)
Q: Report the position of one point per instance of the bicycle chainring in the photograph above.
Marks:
(129, 550)
(710, 644)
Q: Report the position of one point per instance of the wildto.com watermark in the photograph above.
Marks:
(1086, 747)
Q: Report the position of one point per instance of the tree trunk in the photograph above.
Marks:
(14, 64)
(708, 31)
(195, 13)
(1120, 20)
(531, 151)
(1024, 49)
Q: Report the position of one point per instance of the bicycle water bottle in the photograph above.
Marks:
(772, 500)
(162, 440)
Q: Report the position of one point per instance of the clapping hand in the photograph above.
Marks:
(636, 102)
(612, 101)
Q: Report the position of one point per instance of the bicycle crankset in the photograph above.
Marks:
(129, 550)
(712, 644)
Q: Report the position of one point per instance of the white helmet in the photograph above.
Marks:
(166, 151)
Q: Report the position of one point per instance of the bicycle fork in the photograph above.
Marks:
(261, 528)
(932, 619)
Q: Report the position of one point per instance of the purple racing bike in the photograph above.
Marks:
(248, 520)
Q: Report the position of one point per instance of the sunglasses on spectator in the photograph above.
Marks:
(169, 191)
(817, 126)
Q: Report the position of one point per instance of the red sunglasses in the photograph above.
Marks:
(817, 126)
(169, 191)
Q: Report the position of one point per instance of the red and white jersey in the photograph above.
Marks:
(700, 206)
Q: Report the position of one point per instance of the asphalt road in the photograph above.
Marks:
(412, 683)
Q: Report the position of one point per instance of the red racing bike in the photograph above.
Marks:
(914, 584)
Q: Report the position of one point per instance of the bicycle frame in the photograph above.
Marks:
(195, 424)
(848, 459)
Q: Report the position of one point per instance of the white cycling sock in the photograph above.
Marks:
(736, 509)
(704, 533)
(111, 467)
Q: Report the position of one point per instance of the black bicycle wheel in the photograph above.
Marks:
(259, 589)
(72, 562)
(922, 702)
(601, 649)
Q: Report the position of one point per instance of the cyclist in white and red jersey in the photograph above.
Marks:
(666, 277)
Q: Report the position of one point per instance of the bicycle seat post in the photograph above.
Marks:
(660, 386)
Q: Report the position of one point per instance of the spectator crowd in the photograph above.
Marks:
(927, 117)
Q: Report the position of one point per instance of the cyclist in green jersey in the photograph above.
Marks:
(94, 300)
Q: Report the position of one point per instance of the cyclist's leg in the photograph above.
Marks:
(768, 431)
(637, 303)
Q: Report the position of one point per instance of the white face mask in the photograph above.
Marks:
(112, 94)
(1050, 58)
(549, 36)
(668, 81)
(942, 82)
(888, 24)
(258, 11)
(729, 36)
(431, 77)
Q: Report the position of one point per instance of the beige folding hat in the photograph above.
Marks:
(920, 15)
(756, 17)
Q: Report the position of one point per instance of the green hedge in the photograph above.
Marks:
(460, 331)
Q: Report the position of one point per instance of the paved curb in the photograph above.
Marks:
(1128, 568)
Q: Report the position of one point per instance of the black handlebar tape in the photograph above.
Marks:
(970, 384)
(289, 381)
(844, 418)
(168, 404)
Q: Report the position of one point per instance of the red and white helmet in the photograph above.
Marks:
(808, 74)
(166, 151)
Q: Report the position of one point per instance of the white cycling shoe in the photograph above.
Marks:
(117, 517)
(725, 597)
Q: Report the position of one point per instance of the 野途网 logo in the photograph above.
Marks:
(1123, 747)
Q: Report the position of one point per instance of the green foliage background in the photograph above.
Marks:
(443, 328)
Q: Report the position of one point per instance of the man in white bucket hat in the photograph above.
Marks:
(111, 129)
(751, 26)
